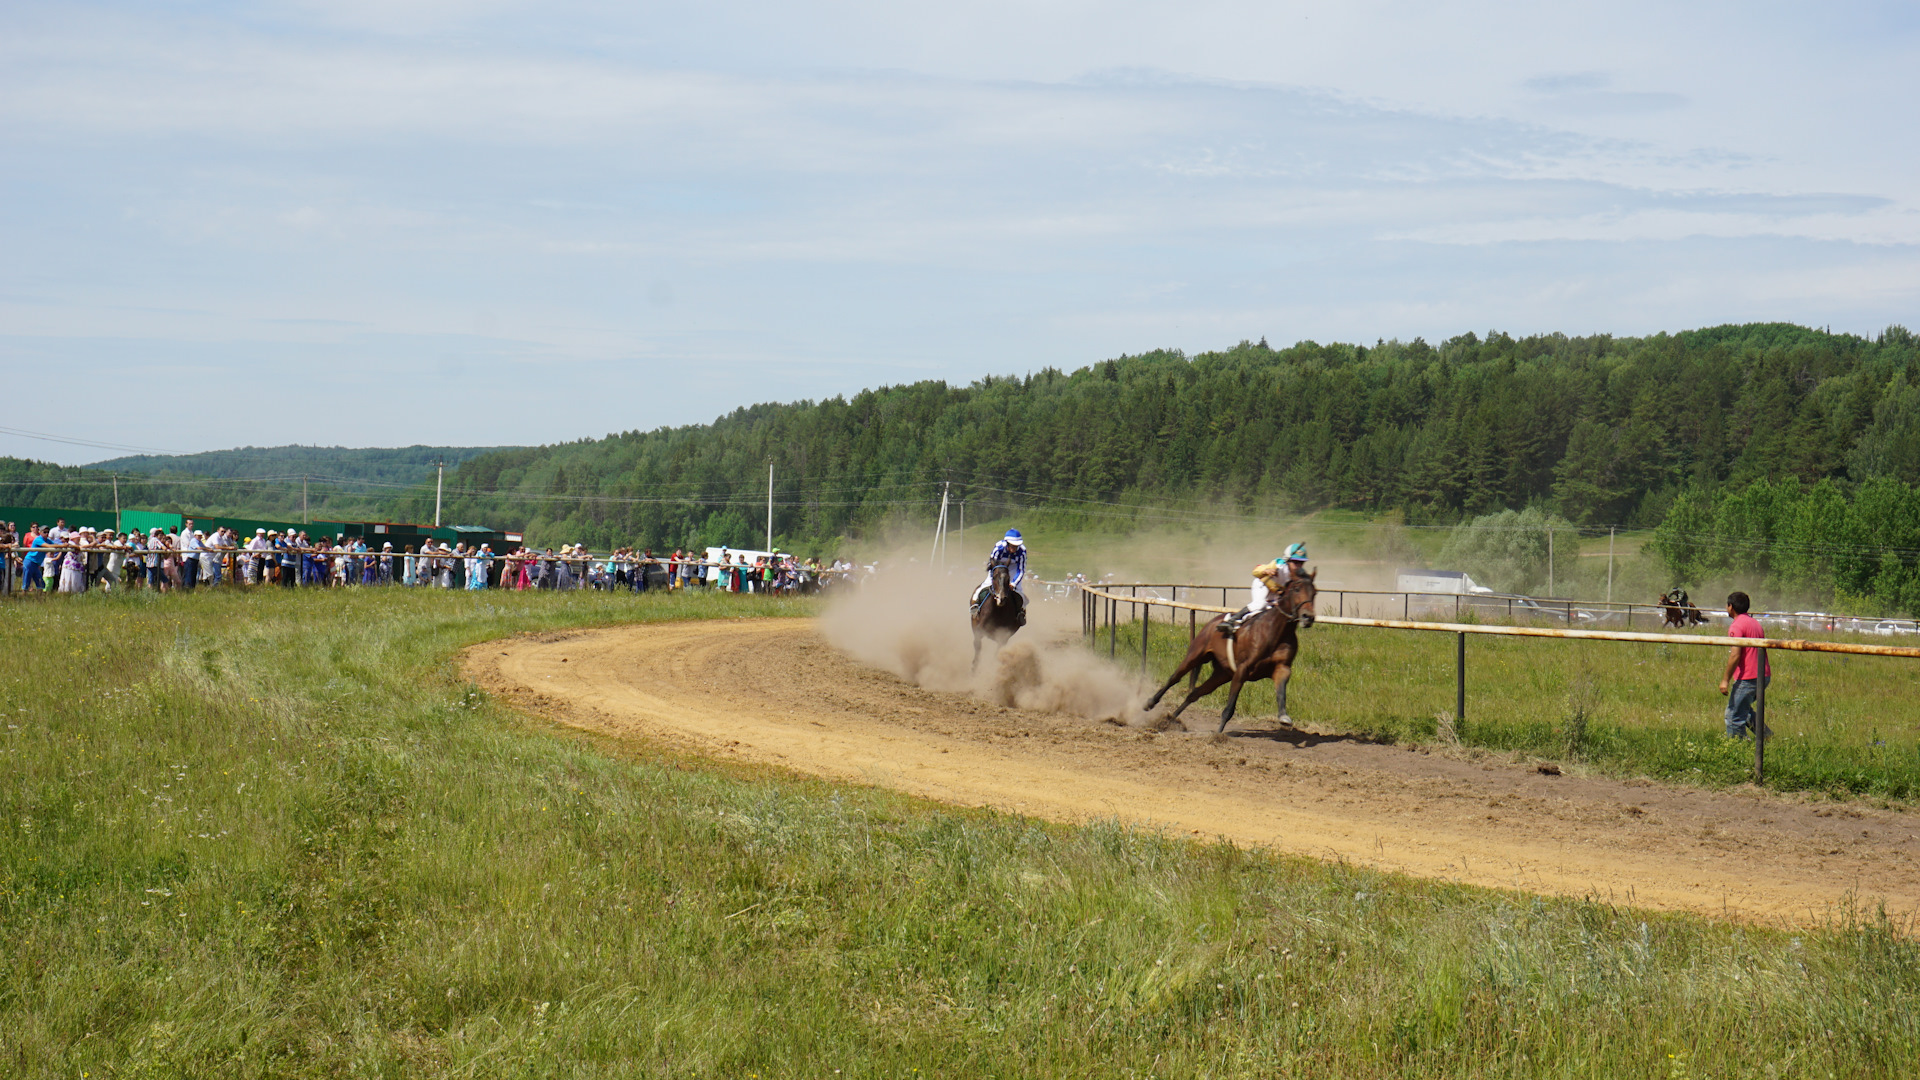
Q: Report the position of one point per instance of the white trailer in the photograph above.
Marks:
(1450, 582)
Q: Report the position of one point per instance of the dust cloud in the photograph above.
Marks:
(912, 621)
(911, 618)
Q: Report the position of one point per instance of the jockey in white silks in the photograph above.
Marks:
(1268, 580)
(1012, 548)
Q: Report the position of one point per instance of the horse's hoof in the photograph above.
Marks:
(1285, 720)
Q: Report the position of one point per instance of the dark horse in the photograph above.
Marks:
(1680, 610)
(1001, 612)
(1264, 647)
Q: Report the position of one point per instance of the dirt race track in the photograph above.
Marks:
(807, 708)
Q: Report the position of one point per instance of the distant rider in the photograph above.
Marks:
(1014, 551)
(1268, 580)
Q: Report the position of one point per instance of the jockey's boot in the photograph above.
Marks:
(1231, 624)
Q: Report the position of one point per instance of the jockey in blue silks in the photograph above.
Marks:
(1013, 549)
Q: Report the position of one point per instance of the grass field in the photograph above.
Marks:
(1847, 725)
(277, 835)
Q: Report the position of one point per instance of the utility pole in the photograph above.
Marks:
(963, 528)
(1610, 564)
(769, 506)
(306, 517)
(116, 503)
(1549, 558)
(940, 527)
(439, 481)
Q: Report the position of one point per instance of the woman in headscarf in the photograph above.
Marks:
(73, 563)
(477, 565)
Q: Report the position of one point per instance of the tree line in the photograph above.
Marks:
(1598, 430)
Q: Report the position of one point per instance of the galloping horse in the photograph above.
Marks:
(1003, 612)
(1264, 646)
(1680, 610)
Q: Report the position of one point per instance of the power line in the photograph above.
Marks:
(70, 441)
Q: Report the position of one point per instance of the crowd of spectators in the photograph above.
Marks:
(66, 560)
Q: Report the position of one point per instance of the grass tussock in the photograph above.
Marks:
(277, 835)
(1842, 725)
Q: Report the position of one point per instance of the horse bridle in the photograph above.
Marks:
(1294, 615)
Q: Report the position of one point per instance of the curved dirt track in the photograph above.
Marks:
(805, 707)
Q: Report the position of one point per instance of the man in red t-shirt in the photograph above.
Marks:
(1745, 675)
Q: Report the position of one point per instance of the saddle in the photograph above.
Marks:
(1019, 608)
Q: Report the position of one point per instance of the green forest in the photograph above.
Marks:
(1767, 448)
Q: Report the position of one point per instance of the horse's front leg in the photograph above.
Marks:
(1233, 698)
(977, 635)
(1282, 674)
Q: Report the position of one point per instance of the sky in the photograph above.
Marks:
(474, 223)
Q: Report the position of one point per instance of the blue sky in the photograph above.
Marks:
(480, 223)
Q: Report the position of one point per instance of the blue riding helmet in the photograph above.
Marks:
(1013, 538)
(1295, 553)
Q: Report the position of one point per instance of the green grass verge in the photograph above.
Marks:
(277, 835)
(1844, 725)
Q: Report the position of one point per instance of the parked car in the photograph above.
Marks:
(1891, 627)
(1814, 620)
(1517, 607)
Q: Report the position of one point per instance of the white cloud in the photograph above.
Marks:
(812, 196)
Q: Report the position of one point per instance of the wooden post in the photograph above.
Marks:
(1113, 626)
(1610, 564)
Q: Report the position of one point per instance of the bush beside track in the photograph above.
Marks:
(274, 834)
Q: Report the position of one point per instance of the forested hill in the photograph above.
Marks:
(1605, 430)
(275, 482)
(405, 464)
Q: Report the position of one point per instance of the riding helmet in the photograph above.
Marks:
(1295, 552)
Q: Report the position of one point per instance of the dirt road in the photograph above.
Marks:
(773, 691)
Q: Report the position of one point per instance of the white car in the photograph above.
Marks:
(1814, 620)
(1890, 627)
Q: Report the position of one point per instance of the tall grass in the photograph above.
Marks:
(1845, 725)
(278, 835)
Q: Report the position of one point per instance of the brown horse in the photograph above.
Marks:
(1264, 647)
(1679, 610)
(1000, 614)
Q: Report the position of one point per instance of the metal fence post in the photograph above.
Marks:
(1113, 626)
(1760, 720)
(1146, 620)
(1459, 679)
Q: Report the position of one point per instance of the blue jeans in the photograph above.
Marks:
(1740, 700)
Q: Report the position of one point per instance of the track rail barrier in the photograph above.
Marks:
(1095, 598)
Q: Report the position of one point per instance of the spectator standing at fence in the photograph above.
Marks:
(73, 566)
(33, 573)
(8, 541)
(1744, 674)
